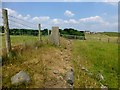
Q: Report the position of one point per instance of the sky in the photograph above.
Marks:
(92, 16)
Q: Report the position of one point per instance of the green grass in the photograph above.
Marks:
(98, 56)
(17, 39)
(21, 39)
(112, 34)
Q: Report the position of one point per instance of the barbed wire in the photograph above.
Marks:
(22, 20)
(15, 26)
(20, 23)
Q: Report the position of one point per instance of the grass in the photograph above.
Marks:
(112, 34)
(97, 57)
(20, 39)
(33, 62)
(102, 37)
(39, 63)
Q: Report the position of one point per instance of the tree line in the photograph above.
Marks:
(66, 31)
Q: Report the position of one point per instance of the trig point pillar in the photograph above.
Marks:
(55, 37)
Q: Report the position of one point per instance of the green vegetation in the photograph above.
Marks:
(96, 57)
(20, 39)
(112, 34)
(71, 31)
(65, 31)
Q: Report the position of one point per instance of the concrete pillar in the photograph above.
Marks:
(55, 37)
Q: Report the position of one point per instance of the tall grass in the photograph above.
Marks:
(100, 57)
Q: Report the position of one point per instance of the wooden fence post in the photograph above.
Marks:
(99, 39)
(48, 32)
(108, 40)
(6, 28)
(39, 26)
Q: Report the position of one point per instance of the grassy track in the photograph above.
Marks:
(98, 56)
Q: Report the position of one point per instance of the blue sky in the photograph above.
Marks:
(93, 16)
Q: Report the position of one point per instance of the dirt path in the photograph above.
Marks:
(57, 67)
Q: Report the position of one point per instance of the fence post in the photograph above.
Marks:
(108, 40)
(39, 26)
(6, 28)
(99, 39)
(48, 32)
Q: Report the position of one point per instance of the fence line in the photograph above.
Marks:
(11, 21)
(104, 39)
(20, 23)
(22, 20)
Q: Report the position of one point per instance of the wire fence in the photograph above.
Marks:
(21, 31)
(105, 39)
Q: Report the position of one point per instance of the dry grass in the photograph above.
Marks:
(39, 63)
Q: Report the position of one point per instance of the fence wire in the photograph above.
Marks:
(21, 31)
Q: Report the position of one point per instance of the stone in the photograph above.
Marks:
(55, 36)
(103, 87)
(19, 78)
(83, 68)
(100, 76)
(90, 74)
(36, 48)
(55, 71)
(70, 77)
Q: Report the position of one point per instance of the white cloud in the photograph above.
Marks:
(92, 19)
(71, 21)
(94, 23)
(111, 0)
(57, 21)
(69, 13)
(40, 19)
(11, 12)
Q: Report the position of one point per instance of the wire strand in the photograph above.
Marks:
(20, 23)
(21, 19)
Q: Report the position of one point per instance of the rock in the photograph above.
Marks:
(103, 87)
(61, 53)
(90, 74)
(36, 48)
(21, 77)
(83, 68)
(100, 76)
(70, 77)
(55, 71)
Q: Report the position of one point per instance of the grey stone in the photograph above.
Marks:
(70, 77)
(55, 36)
(21, 77)
(55, 71)
(36, 48)
(90, 74)
(100, 76)
(83, 68)
(103, 87)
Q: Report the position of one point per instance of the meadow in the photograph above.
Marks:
(97, 56)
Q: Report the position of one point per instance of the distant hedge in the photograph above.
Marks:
(65, 31)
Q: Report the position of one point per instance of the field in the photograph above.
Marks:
(16, 39)
(97, 57)
(88, 57)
